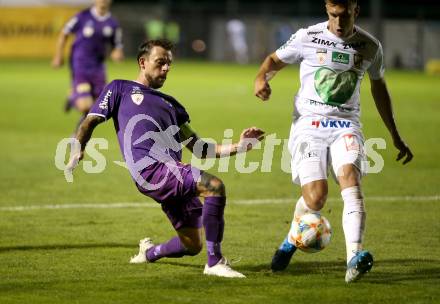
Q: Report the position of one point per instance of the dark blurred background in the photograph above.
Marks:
(409, 30)
(246, 31)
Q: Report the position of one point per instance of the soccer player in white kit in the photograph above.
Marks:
(326, 132)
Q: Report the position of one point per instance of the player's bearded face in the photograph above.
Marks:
(341, 18)
(157, 66)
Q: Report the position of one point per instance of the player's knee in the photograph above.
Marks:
(194, 248)
(191, 239)
(349, 176)
(316, 198)
(210, 185)
(215, 187)
(193, 245)
(83, 104)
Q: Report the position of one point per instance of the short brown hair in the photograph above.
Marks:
(145, 48)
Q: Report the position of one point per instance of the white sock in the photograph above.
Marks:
(353, 220)
(301, 208)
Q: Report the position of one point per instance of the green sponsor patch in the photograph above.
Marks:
(335, 88)
(340, 57)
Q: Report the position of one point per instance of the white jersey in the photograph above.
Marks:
(331, 70)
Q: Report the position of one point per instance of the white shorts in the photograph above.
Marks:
(316, 142)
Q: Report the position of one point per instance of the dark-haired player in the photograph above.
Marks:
(151, 127)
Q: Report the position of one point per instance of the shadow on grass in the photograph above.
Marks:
(300, 268)
(425, 271)
(385, 271)
(65, 247)
(389, 271)
(174, 262)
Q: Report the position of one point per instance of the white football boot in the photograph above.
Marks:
(222, 269)
(141, 257)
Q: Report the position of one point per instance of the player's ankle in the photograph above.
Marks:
(286, 246)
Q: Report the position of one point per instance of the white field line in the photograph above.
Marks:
(235, 202)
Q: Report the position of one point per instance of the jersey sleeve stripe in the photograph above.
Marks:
(69, 25)
(118, 38)
(97, 114)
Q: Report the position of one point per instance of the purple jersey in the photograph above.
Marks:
(147, 124)
(93, 33)
(146, 121)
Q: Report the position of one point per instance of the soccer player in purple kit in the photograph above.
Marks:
(95, 30)
(151, 127)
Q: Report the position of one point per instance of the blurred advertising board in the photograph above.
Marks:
(31, 32)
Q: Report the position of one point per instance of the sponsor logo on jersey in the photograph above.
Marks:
(355, 45)
(321, 104)
(310, 154)
(324, 42)
(340, 57)
(315, 33)
(136, 95)
(104, 103)
(358, 60)
(107, 31)
(351, 142)
(306, 151)
(321, 54)
(336, 124)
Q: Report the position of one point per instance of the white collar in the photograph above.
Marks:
(95, 14)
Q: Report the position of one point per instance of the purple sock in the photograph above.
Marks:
(171, 249)
(214, 224)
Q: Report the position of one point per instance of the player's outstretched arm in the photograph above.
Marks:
(58, 58)
(270, 66)
(117, 53)
(202, 149)
(383, 103)
(83, 135)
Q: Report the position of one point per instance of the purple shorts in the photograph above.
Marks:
(177, 193)
(89, 83)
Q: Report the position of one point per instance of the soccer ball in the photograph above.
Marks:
(310, 232)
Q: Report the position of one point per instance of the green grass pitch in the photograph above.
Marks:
(81, 255)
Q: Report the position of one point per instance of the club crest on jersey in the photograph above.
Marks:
(88, 29)
(107, 31)
(321, 54)
(137, 96)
